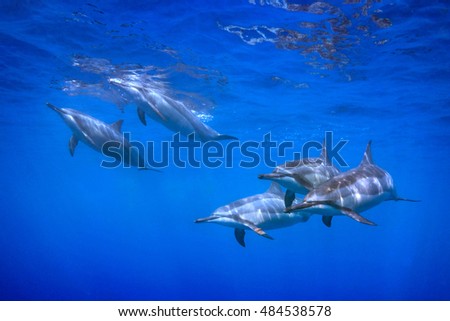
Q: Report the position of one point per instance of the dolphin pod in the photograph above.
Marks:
(325, 190)
(328, 193)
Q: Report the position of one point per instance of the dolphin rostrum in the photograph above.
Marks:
(351, 192)
(173, 114)
(95, 133)
(257, 213)
(302, 175)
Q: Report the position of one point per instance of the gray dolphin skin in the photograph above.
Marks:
(257, 213)
(351, 192)
(173, 114)
(303, 175)
(95, 133)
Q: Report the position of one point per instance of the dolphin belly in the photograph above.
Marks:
(282, 220)
(170, 113)
(365, 202)
(324, 210)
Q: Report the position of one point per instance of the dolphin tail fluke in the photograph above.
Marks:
(239, 234)
(344, 210)
(225, 137)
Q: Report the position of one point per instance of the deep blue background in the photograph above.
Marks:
(70, 230)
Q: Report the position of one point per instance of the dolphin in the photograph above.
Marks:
(302, 175)
(351, 192)
(257, 213)
(173, 114)
(95, 133)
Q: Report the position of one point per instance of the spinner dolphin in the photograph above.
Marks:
(257, 213)
(95, 133)
(173, 114)
(302, 175)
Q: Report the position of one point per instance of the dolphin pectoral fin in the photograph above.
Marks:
(350, 213)
(327, 220)
(257, 230)
(141, 115)
(261, 232)
(344, 210)
(253, 227)
(289, 198)
(239, 234)
(73, 142)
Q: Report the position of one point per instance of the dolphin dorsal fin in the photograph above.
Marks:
(275, 189)
(117, 125)
(367, 158)
(324, 153)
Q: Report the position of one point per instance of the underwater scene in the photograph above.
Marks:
(225, 150)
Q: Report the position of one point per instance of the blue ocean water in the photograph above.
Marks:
(365, 70)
